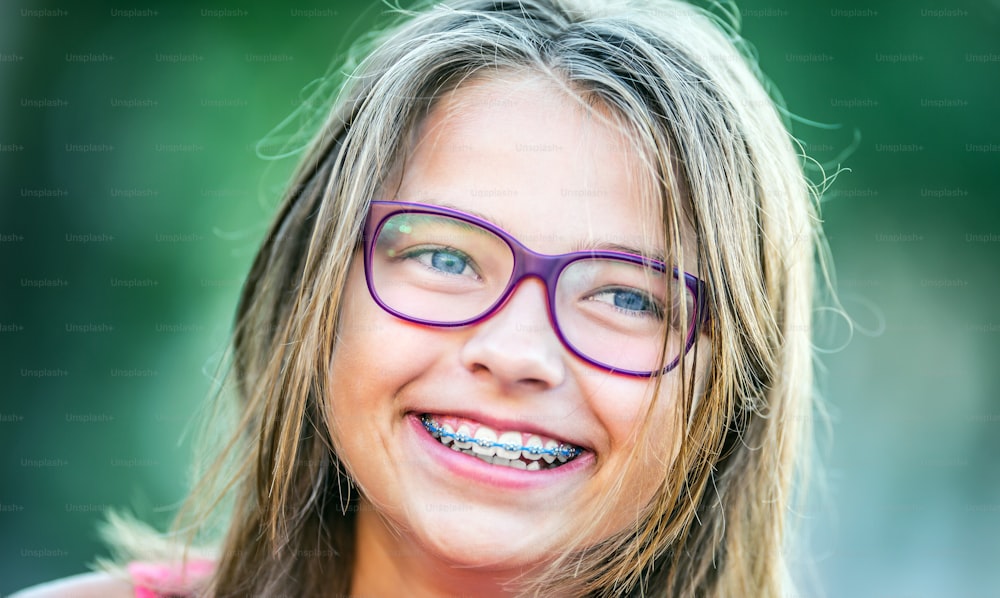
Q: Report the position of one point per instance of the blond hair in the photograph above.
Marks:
(676, 79)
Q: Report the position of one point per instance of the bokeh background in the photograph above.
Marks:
(133, 194)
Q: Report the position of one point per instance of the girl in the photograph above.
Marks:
(533, 319)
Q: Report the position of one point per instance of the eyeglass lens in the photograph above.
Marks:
(614, 312)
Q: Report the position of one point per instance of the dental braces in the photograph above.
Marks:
(564, 451)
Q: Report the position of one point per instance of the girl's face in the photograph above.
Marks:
(516, 152)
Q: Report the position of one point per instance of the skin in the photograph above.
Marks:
(521, 153)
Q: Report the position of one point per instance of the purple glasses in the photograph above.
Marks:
(441, 267)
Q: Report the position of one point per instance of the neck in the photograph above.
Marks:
(387, 560)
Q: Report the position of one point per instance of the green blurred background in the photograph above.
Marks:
(133, 199)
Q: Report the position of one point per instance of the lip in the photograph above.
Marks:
(478, 471)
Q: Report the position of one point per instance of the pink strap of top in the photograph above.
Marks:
(155, 580)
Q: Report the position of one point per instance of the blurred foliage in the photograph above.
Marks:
(133, 197)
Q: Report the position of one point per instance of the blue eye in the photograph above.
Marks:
(444, 260)
(448, 262)
(630, 301)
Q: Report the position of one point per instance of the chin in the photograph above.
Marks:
(484, 540)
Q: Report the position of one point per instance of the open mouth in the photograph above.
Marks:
(518, 450)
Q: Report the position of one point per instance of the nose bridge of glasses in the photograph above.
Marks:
(529, 264)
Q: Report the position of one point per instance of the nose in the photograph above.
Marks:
(516, 346)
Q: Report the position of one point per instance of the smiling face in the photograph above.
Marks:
(527, 158)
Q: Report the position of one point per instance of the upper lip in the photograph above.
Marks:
(503, 425)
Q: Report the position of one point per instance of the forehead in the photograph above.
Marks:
(523, 153)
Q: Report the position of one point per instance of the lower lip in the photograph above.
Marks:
(498, 476)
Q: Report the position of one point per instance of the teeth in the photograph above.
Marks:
(550, 445)
(509, 438)
(534, 441)
(485, 436)
(505, 451)
(463, 430)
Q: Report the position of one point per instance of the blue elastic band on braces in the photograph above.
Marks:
(562, 450)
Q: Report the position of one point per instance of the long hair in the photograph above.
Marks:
(277, 505)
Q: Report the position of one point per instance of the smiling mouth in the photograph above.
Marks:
(516, 450)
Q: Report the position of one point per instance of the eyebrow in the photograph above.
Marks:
(491, 219)
(605, 246)
(579, 247)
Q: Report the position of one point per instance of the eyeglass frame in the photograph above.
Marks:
(528, 263)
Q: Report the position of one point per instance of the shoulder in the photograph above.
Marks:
(88, 585)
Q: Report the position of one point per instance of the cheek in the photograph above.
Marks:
(370, 344)
(666, 427)
(645, 440)
(359, 326)
(362, 388)
(352, 355)
(375, 355)
(357, 364)
(626, 407)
